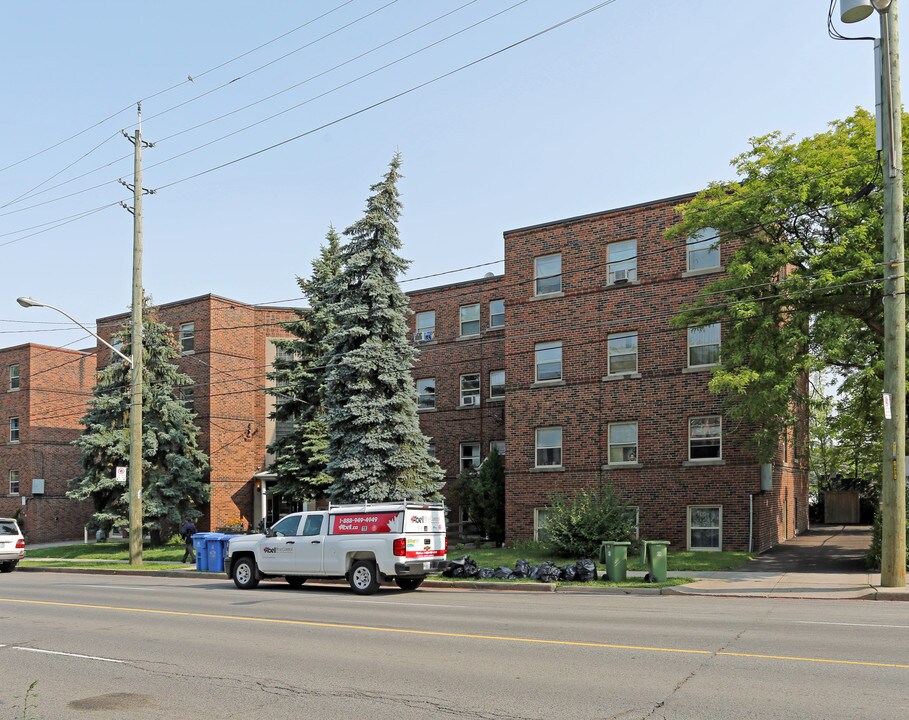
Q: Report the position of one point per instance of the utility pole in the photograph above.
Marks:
(135, 408)
(893, 489)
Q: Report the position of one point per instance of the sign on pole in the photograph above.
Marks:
(121, 474)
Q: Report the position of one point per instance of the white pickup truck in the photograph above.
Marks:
(363, 543)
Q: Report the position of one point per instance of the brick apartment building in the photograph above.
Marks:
(42, 400)
(570, 364)
(226, 347)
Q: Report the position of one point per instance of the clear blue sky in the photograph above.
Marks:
(633, 102)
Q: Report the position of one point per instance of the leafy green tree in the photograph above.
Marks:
(173, 467)
(801, 237)
(482, 493)
(302, 454)
(577, 524)
(375, 447)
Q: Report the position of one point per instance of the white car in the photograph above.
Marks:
(12, 545)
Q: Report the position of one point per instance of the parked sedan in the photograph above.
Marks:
(12, 545)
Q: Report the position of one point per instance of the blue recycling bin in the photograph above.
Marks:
(215, 546)
(200, 550)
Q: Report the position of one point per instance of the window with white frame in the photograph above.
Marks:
(547, 274)
(703, 249)
(622, 257)
(704, 345)
(623, 443)
(118, 345)
(426, 326)
(470, 319)
(187, 338)
(498, 445)
(540, 516)
(633, 515)
(705, 438)
(548, 360)
(426, 393)
(188, 398)
(431, 448)
(623, 353)
(13, 482)
(705, 527)
(14, 429)
(496, 384)
(549, 447)
(470, 389)
(14, 377)
(496, 313)
(470, 455)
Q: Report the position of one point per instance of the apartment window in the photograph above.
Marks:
(703, 249)
(470, 389)
(633, 515)
(548, 361)
(470, 319)
(705, 527)
(187, 338)
(431, 448)
(426, 393)
(623, 353)
(188, 398)
(549, 447)
(14, 377)
(118, 345)
(497, 313)
(547, 274)
(705, 438)
(14, 429)
(426, 326)
(497, 384)
(623, 443)
(470, 455)
(623, 261)
(540, 516)
(704, 345)
(498, 445)
(13, 482)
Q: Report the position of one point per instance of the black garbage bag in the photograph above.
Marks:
(485, 573)
(456, 567)
(470, 568)
(547, 572)
(569, 573)
(522, 569)
(586, 570)
(534, 573)
(503, 573)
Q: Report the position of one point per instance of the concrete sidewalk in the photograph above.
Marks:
(827, 562)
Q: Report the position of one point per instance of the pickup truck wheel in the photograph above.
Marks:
(363, 577)
(8, 566)
(295, 581)
(245, 576)
(409, 583)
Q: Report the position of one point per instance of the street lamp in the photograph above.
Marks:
(135, 436)
(893, 488)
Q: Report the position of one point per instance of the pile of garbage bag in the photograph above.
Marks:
(584, 570)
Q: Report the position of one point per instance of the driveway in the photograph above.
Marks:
(823, 549)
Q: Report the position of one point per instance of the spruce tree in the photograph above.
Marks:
(173, 465)
(302, 454)
(376, 449)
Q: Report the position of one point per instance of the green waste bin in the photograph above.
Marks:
(655, 555)
(614, 555)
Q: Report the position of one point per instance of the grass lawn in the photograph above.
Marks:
(172, 552)
(681, 560)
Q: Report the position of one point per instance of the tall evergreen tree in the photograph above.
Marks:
(302, 454)
(173, 465)
(376, 449)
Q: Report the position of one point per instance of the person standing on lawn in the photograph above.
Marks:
(187, 530)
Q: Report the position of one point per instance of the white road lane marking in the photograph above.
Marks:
(820, 622)
(75, 655)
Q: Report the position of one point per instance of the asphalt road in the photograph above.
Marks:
(147, 647)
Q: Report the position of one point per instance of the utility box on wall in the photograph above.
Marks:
(38, 486)
(766, 477)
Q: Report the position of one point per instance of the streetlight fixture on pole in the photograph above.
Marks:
(135, 437)
(893, 485)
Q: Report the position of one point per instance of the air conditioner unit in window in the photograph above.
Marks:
(423, 335)
(619, 276)
(470, 400)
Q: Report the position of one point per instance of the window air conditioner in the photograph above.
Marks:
(423, 335)
(619, 276)
(469, 400)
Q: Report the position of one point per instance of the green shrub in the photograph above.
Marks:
(873, 556)
(576, 525)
